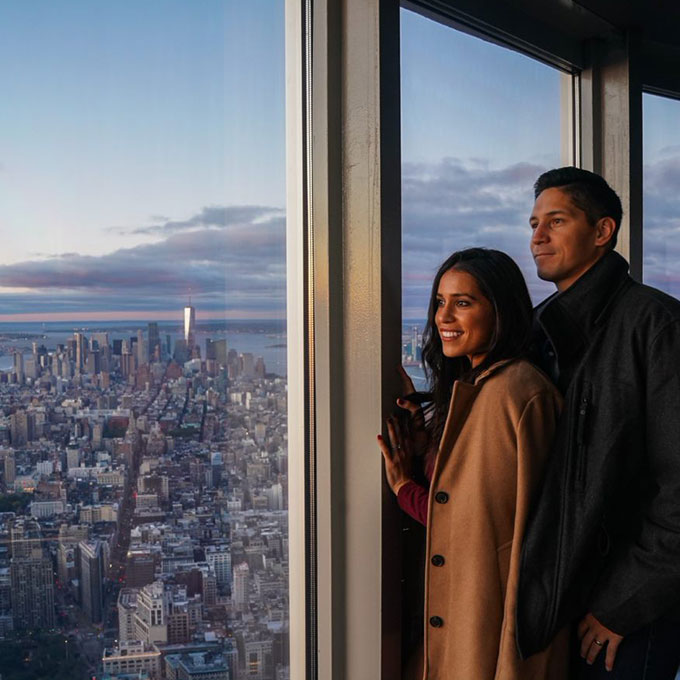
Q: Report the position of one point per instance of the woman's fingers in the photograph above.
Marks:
(413, 409)
(386, 451)
(392, 433)
(406, 382)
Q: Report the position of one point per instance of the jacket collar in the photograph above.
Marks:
(570, 318)
(491, 370)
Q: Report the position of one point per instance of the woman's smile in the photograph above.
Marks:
(465, 318)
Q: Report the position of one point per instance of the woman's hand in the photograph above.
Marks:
(397, 455)
(416, 430)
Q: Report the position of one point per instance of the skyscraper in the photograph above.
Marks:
(151, 616)
(10, 470)
(81, 349)
(142, 349)
(91, 579)
(190, 327)
(31, 577)
(19, 366)
(154, 342)
(241, 590)
(32, 592)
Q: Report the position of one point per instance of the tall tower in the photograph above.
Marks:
(241, 591)
(31, 577)
(142, 349)
(190, 327)
(91, 579)
(154, 342)
(81, 349)
(32, 592)
(19, 366)
(151, 623)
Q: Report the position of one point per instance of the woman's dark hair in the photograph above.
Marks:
(501, 282)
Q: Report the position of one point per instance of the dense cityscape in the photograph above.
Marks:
(143, 514)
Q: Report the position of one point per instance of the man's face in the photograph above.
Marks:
(564, 245)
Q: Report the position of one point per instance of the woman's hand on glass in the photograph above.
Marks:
(416, 424)
(397, 455)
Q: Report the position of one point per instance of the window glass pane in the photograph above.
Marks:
(143, 444)
(661, 205)
(479, 124)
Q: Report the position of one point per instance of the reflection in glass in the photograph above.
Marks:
(479, 124)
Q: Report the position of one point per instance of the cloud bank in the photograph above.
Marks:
(231, 259)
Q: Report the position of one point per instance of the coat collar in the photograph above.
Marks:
(571, 318)
(491, 370)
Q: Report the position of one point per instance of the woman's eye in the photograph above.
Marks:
(440, 302)
(462, 303)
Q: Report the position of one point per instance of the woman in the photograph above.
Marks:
(489, 428)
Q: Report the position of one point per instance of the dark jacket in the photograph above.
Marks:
(604, 533)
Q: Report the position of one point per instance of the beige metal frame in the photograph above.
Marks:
(344, 291)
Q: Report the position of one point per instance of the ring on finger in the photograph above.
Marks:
(598, 643)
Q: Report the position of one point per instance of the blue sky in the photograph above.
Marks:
(661, 193)
(136, 132)
(142, 156)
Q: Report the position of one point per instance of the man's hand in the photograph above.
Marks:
(595, 637)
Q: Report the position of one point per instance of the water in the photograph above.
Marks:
(266, 339)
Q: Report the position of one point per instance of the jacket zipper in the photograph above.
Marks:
(580, 471)
(580, 443)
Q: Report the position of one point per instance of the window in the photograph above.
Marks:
(479, 124)
(661, 205)
(143, 378)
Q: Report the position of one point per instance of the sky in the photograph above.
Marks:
(661, 193)
(142, 158)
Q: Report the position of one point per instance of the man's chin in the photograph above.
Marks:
(544, 275)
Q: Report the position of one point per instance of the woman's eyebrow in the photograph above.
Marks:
(470, 295)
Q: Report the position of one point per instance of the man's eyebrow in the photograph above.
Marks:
(558, 211)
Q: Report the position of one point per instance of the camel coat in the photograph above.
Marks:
(490, 458)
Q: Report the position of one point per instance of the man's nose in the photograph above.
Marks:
(538, 235)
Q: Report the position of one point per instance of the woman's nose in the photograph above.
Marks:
(446, 313)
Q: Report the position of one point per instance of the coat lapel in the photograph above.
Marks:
(464, 395)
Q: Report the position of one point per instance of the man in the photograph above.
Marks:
(602, 548)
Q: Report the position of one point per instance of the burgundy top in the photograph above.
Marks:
(412, 497)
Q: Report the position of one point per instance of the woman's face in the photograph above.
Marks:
(465, 319)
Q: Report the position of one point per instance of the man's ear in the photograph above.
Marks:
(605, 231)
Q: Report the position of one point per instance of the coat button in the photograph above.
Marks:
(441, 497)
(436, 621)
(438, 560)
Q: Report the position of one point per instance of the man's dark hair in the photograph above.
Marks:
(588, 191)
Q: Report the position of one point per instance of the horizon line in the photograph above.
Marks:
(165, 315)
